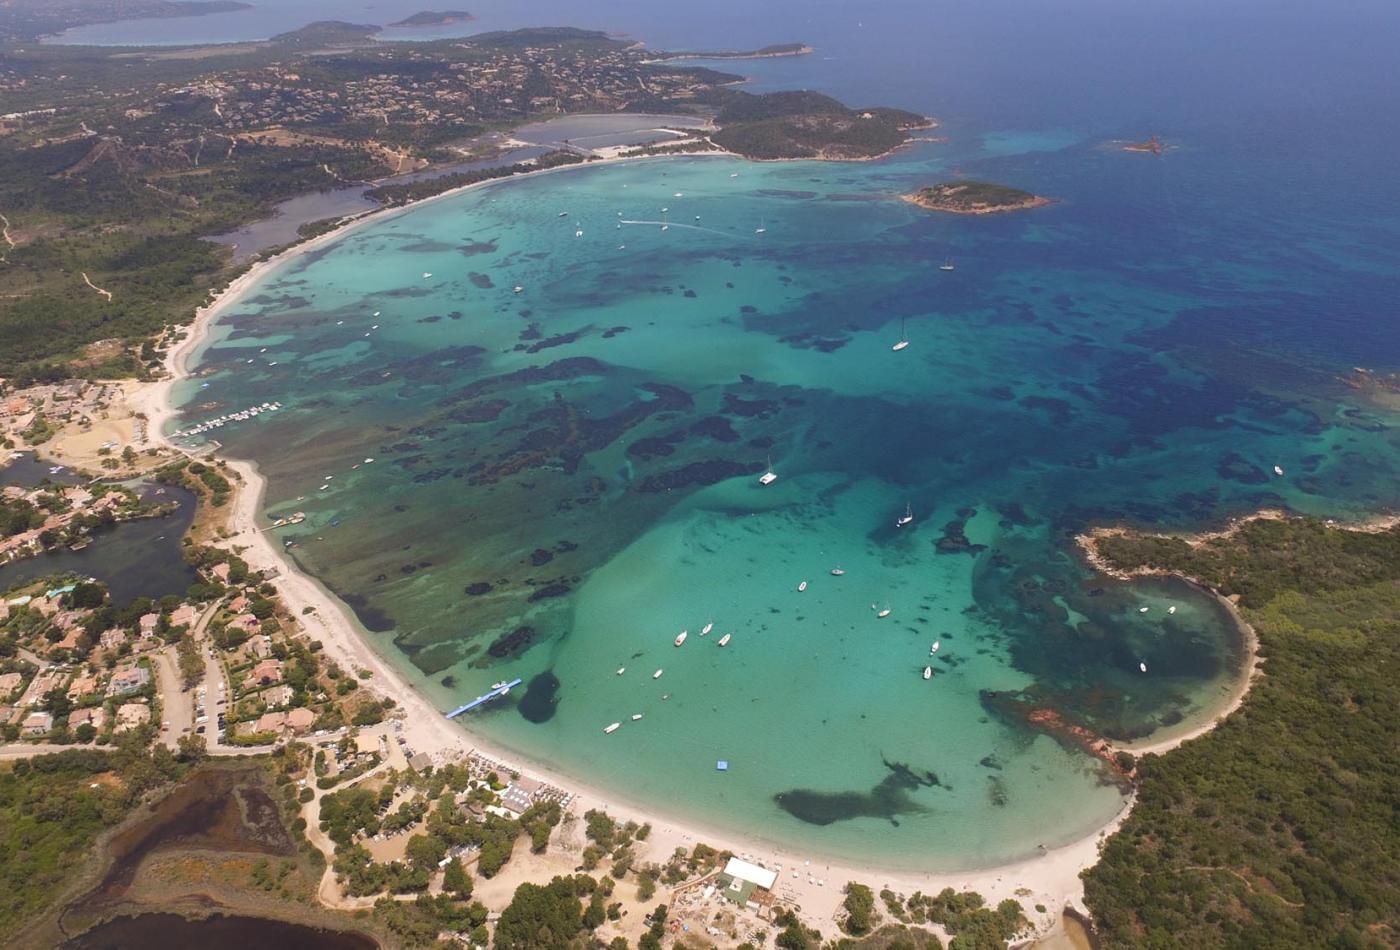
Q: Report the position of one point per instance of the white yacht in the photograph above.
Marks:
(1142, 667)
(621, 670)
(907, 517)
(801, 587)
(612, 728)
(928, 672)
(903, 340)
(657, 675)
(681, 639)
(1171, 609)
(707, 628)
(762, 227)
(427, 274)
(1142, 610)
(837, 571)
(1278, 469)
(636, 716)
(724, 640)
(947, 264)
(518, 289)
(883, 613)
(934, 649)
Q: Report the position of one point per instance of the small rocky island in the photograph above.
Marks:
(974, 197)
(435, 18)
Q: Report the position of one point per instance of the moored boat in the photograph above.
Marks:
(612, 728)
(907, 517)
(681, 639)
(928, 672)
(724, 640)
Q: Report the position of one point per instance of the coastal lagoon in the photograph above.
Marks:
(565, 477)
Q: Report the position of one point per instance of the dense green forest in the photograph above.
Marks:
(53, 807)
(1281, 827)
(804, 124)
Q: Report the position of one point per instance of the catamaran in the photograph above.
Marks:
(769, 476)
(681, 639)
(907, 517)
(946, 265)
(903, 340)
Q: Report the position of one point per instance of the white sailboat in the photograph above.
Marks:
(762, 227)
(947, 264)
(681, 639)
(769, 476)
(883, 613)
(928, 672)
(621, 670)
(907, 517)
(837, 571)
(903, 340)
(1142, 667)
(724, 640)
(707, 628)
(934, 649)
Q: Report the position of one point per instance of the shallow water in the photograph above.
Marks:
(565, 478)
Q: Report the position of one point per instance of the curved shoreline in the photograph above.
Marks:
(1050, 878)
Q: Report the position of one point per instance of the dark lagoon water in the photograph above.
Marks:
(134, 559)
(564, 478)
(173, 932)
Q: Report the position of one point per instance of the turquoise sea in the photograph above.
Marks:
(564, 478)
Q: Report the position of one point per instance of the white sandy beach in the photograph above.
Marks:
(1050, 879)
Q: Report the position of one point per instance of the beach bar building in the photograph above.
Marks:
(747, 885)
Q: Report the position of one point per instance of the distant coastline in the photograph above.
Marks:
(433, 18)
(768, 52)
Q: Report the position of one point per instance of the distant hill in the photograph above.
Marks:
(327, 32)
(435, 18)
